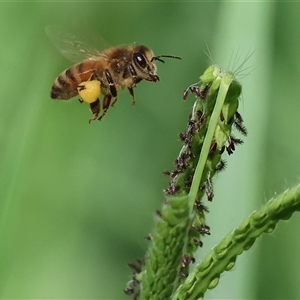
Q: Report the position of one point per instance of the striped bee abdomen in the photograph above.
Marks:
(65, 85)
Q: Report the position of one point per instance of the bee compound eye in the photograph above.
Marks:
(140, 59)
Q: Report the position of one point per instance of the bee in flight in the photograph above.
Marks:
(104, 72)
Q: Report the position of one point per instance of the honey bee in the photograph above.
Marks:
(105, 72)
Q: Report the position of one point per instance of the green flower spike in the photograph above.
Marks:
(181, 223)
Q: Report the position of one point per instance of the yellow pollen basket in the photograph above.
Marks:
(89, 91)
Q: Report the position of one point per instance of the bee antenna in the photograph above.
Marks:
(159, 57)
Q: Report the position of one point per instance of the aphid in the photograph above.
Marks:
(104, 72)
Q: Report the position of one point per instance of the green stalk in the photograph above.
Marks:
(222, 258)
(223, 89)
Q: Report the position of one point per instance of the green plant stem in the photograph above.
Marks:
(224, 86)
(222, 257)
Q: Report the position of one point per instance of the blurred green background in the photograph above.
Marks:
(77, 199)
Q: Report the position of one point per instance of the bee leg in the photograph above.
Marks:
(135, 80)
(95, 109)
(112, 86)
(132, 95)
(132, 71)
(114, 102)
(81, 88)
(105, 105)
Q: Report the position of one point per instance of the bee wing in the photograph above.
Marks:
(71, 46)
